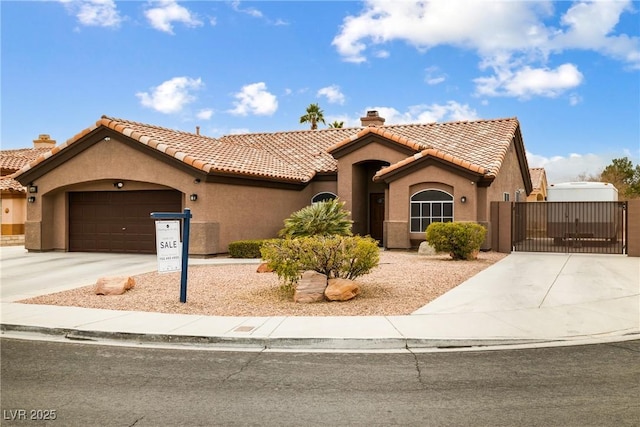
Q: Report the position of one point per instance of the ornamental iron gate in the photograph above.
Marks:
(570, 227)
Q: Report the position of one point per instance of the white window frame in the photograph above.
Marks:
(429, 218)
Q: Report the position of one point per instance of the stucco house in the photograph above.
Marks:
(539, 183)
(95, 191)
(13, 195)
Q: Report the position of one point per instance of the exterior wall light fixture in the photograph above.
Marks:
(193, 197)
(33, 189)
(118, 184)
(463, 199)
(31, 199)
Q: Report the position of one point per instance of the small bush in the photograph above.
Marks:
(461, 239)
(323, 218)
(246, 248)
(345, 257)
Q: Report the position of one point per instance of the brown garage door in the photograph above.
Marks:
(117, 221)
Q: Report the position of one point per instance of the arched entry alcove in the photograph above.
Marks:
(368, 206)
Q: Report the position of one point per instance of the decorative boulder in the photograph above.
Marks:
(310, 287)
(114, 285)
(264, 268)
(426, 249)
(341, 290)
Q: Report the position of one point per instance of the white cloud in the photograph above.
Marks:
(171, 96)
(568, 168)
(451, 111)
(162, 16)
(333, 94)
(527, 82)
(255, 99)
(433, 76)
(574, 99)
(482, 25)
(515, 37)
(257, 13)
(204, 114)
(590, 26)
(251, 11)
(238, 131)
(94, 13)
(382, 53)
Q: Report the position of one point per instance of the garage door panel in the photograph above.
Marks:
(117, 221)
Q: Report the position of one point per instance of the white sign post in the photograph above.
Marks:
(168, 246)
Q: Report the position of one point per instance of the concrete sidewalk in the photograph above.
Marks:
(524, 298)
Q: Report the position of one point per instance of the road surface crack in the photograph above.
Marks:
(136, 421)
(418, 370)
(244, 366)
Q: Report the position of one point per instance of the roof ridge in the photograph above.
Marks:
(455, 122)
(119, 120)
(284, 132)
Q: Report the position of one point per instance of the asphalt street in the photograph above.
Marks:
(97, 385)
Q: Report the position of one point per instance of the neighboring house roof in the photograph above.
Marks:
(11, 185)
(297, 156)
(537, 175)
(13, 160)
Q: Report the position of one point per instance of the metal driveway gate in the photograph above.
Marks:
(570, 227)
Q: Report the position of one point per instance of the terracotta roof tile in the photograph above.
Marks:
(299, 155)
(536, 177)
(433, 153)
(13, 160)
(10, 184)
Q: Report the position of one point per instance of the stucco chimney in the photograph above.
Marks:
(44, 141)
(197, 130)
(372, 119)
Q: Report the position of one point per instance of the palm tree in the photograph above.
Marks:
(313, 116)
(336, 124)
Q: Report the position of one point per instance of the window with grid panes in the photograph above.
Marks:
(430, 206)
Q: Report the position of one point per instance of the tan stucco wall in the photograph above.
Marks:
(509, 180)
(397, 223)
(245, 212)
(539, 194)
(354, 185)
(14, 213)
(633, 236)
(222, 213)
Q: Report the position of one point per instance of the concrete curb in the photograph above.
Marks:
(281, 343)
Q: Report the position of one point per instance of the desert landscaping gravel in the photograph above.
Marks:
(402, 283)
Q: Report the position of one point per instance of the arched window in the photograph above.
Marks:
(430, 206)
(323, 197)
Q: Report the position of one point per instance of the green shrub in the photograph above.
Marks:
(246, 248)
(461, 239)
(323, 218)
(345, 257)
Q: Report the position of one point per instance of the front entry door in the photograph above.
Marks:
(376, 215)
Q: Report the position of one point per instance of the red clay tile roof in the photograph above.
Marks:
(10, 184)
(433, 153)
(13, 160)
(481, 144)
(536, 177)
(383, 132)
(299, 155)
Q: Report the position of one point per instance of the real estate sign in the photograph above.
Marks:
(168, 246)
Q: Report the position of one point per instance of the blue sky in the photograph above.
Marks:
(568, 70)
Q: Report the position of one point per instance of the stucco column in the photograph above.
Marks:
(633, 224)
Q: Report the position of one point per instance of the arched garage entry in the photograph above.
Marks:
(117, 221)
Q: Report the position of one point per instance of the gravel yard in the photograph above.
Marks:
(402, 283)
